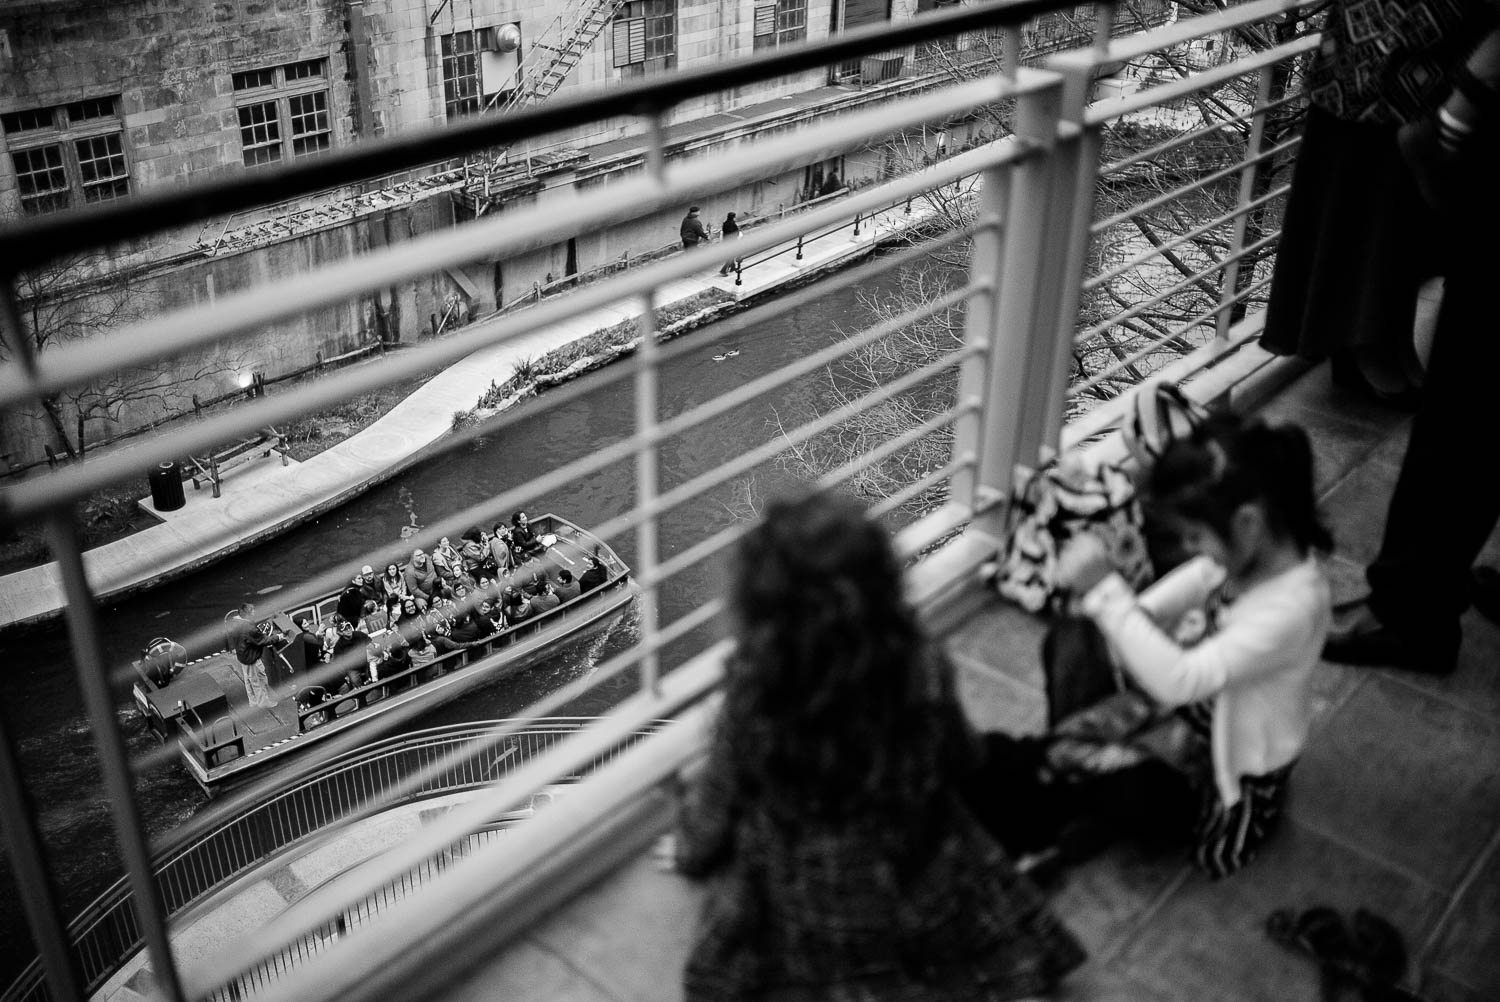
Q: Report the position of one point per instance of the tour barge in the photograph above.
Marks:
(224, 740)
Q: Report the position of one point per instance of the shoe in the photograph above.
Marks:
(1366, 643)
(1486, 594)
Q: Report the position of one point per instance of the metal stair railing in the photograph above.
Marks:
(554, 54)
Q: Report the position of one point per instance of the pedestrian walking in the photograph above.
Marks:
(692, 230)
(731, 231)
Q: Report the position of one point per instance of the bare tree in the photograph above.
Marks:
(1155, 276)
(80, 297)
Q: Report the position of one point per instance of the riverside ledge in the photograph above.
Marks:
(262, 500)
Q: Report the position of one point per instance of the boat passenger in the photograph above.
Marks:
(517, 606)
(474, 552)
(594, 577)
(393, 584)
(352, 601)
(490, 617)
(522, 539)
(349, 650)
(388, 656)
(535, 581)
(372, 619)
(438, 626)
(312, 641)
(445, 557)
(545, 600)
(567, 588)
(500, 553)
(420, 575)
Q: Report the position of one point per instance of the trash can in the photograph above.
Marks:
(166, 487)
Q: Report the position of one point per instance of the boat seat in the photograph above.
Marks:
(223, 729)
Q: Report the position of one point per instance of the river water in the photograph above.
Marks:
(38, 683)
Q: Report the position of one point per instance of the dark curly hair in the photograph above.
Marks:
(829, 699)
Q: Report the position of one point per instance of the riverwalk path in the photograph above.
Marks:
(263, 499)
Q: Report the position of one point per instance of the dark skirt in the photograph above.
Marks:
(1357, 243)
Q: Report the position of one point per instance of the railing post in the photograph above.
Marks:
(1075, 169)
(1016, 352)
(119, 784)
(856, 225)
(1231, 279)
(799, 247)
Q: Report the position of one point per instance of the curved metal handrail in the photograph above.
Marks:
(105, 934)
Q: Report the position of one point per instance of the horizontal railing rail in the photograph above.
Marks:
(192, 868)
(994, 397)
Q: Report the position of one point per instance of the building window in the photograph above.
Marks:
(67, 155)
(780, 22)
(461, 74)
(283, 111)
(645, 34)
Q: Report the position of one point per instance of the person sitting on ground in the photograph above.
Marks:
(523, 539)
(1240, 497)
(421, 576)
(567, 588)
(595, 576)
(372, 619)
(500, 553)
(845, 863)
(393, 584)
(545, 600)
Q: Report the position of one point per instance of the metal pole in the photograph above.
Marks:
(29, 863)
(799, 247)
(119, 784)
(1228, 289)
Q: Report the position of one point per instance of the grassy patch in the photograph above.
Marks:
(597, 348)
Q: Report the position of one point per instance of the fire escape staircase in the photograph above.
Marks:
(542, 71)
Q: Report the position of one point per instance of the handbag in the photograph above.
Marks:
(1053, 504)
(1160, 415)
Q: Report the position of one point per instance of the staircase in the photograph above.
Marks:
(557, 51)
(543, 69)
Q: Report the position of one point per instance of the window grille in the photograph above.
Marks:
(67, 155)
(287, 117)
(461, 74)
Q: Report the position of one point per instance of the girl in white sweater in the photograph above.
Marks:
(1239, 497)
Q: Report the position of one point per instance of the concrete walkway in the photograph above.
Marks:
(263, 499)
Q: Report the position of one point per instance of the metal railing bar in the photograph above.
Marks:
(1175, 242)
(1128, 47)
(1185, 86)
(679, 689)
(919, 485)
(747, 461)
(34, 240)
(485, 511)
(1161, 343)
(1099, 227)
(208, 323)
(1161, 297)
(114, 757)
(1187, 137)
(1111, 412)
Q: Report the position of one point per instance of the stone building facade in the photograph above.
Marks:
(107, 101)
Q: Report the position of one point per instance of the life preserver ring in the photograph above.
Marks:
(162, 659)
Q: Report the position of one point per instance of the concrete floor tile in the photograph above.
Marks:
(1465, 946)
(1105, 900)
(1406, 777)
(1208, 939)
(1003, 636)
(525, 970)
(632, 931)
(1437, 987)
(1475, 684)
(1355, 509)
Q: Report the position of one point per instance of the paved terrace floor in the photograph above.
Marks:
(1395, 807)
(263, 499)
